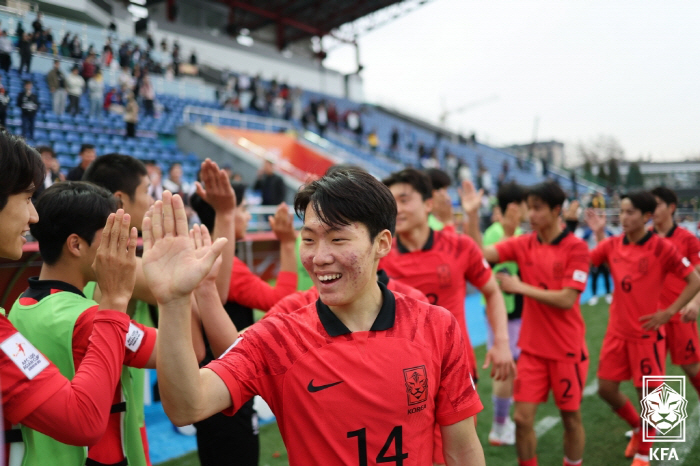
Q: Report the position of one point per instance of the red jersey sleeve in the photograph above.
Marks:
(139, 343)
(673, 262)
(457, 397)
(508, 250)
(249, 290)
(600, 253)
(577, 263)
(395, 285)
(693, 249)
(477, 271)
(293, 302)
(76, 412)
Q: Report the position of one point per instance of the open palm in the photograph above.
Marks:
(470, 197)
(172, 266)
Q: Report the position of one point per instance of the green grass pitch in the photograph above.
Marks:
(605, 432)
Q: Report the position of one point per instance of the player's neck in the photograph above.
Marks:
(415, 239)
(664, 227)
(635, 236)
(64, 273)
(547, 235)
(359, 315)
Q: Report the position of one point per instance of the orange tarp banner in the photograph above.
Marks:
(290, 155)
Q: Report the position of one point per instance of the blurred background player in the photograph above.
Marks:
(553, 264)
(512, 202)
(682, 330)
(634, 344)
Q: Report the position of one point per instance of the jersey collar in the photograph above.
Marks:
(644, 239)
(558, 239)
(426, 247)
(384, 321)
(382, 277)
(670, 232)
(51, 286)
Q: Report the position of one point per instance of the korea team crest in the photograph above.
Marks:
(664, 408)
(416, 379)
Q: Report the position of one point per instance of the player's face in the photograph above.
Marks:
(242, 217)
(139, 205)
(88, 253)
(412, 210)
(663, 212)
(540, 214)
(631, 218)
(15, 218)
(442, 203)
(342, 261)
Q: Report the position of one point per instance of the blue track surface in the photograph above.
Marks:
(166, 443)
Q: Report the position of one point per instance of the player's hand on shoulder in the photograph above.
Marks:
(282, 224)
(115, 262)
(172, 267)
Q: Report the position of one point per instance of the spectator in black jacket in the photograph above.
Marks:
(29, 103)
(25, 52)
(270, 185)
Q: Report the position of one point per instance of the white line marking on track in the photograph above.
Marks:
(691, 436)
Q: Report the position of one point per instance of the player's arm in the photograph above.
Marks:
(562, 299)
(173, 270)
(471, 202)
(499, 354)
(691, 310)
(220, 196)
(218, 327)
(141, 291)
(461, 445)
(656, 320)
(596, 222)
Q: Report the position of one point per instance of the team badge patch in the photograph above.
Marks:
(25, 356)
(444, 276)
(643, 265)
(580, 276)
(416, 379)
(134, 338)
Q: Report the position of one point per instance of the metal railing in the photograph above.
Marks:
(190, 114)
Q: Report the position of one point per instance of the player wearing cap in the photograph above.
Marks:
(552, 263)
(34, 392)
(682, 330)
(634, 344)
(359, 377)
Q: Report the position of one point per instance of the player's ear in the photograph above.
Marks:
(73, 245)
(119, 196)
(383, 242)
(429, 203)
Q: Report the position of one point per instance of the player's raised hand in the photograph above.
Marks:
(282, 224)
(115, 262)
(656, 320)
(172, 267)
(218, 192)
(595, 220)
(572, 212)
(470, 197)
(202, 241)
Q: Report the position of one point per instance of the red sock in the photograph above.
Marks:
(568, 462)
(531, 462)
(696, 382)
(629, 414)
(645, 446)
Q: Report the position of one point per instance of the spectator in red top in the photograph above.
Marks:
(89, 67)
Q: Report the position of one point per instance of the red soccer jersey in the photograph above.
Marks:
(140, 344)
(301, 298)
(250, 290)
(441, 270)
(547, 331)
(638, 271)
(688, 246)
(344, 397)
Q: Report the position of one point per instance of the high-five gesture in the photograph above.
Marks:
(171, 264)
(470, 197)
(115, 262)
(217, 190)
(282, 224)
(595, 220)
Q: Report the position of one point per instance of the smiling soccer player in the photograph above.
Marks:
(359, 377)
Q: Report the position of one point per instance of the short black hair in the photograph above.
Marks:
(549, 192)
(510, 192)
(349, 195)
(21, 168)
(42, 149)
(116, 172)
(417, 179)
(641, 200)
(84, 147)
(667, 195)
(438, 178)
(66, 208)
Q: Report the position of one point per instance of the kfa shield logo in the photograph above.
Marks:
(644, 265)
(664, 408)
(444, 275)
(416, 379)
